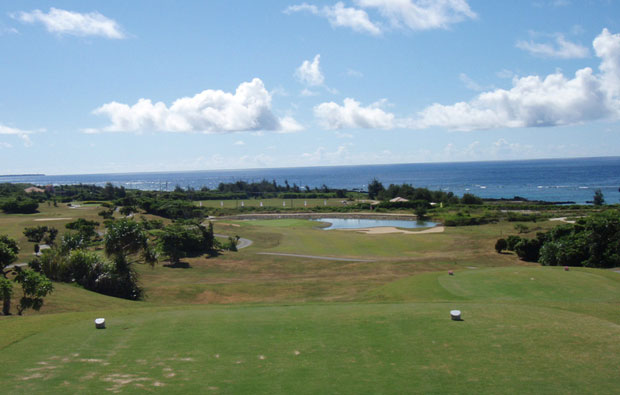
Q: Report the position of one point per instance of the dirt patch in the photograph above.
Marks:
(382, 230)
(51, 219)
(32, 376)
(121, 380)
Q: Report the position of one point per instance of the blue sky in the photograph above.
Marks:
(126, 86)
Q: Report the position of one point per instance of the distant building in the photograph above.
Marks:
(398, 199)
(34, 190)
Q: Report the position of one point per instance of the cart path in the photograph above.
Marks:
(243, 243)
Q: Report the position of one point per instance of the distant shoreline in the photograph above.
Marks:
(22, 175)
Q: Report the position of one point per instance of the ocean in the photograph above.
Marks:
(556, 180)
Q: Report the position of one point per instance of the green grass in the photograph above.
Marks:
(275, 203)
(248, 323)
(347, 348)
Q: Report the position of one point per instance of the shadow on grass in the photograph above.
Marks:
(179, 265)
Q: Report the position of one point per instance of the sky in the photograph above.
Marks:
(134, 86)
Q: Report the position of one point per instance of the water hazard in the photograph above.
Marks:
(354, 223)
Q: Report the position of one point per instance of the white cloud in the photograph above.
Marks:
(7, 30)
(308, 93)
(352, 115)
(309, 73)
(210, 111)
(340, 16)
(239, 142)
(354, 73)
(607, 47)
(534, 101)
(409, 14)
(74, 23)
(322, 155)
(562, 48)
(421, 14)
(5, 145)
(505, 73)
(22, 134)
(471, 84)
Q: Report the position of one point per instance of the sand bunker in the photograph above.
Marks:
(52, 219)
(562, 219)
(390, 229)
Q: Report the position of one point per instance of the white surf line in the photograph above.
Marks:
(325, 258)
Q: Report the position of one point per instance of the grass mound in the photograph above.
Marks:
(521, 284)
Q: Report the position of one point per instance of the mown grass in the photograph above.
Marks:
(275, 203)
(247, 323)
(344, 348)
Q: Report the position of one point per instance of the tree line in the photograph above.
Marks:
(590, 242)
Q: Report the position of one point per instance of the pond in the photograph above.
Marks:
(355, 223)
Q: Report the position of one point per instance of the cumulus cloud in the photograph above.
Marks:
(532, 101)
(340, 16)
(309, 73)
(24, 135)
(562, 48)
(73, 23)
(607, 47)
(210, 111)
(408, 14)
(352, 115)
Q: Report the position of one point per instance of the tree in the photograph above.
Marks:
(50, 236)
(35, 286)
(127, 210)
(468, 198)
(501, 245)
(8, 255)
(511, 242)
(598, 199)
(36, 233)
(528, 249)
(19, 206)
(231, 245)
(127, 243)
(84, 227)
(180, 240)
(420, 211)
(374, 188)
(521, 228)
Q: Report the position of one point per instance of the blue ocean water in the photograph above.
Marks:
(547, 179)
